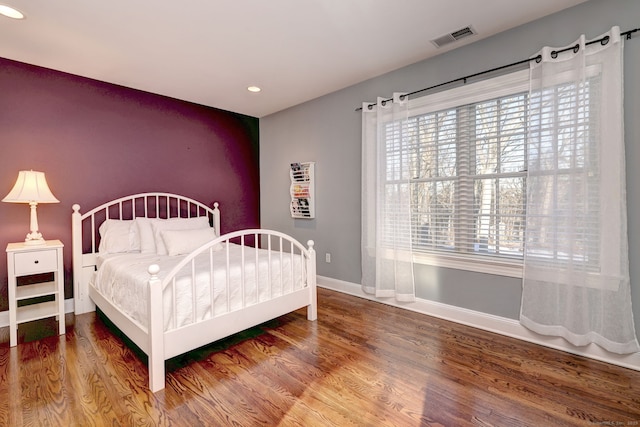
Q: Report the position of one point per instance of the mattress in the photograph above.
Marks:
(123, 279)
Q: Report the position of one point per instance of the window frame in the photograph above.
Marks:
(497, 87)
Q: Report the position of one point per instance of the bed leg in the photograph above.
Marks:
(312, 311)
(156, 332)
(156, 375)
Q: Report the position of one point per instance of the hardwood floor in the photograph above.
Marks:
(361, 364)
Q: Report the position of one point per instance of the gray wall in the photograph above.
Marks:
(327, 130)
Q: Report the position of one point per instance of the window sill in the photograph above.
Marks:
(499, 267)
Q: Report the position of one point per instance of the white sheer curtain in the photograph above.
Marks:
(387, 268)
(576, 265)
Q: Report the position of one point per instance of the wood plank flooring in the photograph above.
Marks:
(361, 364)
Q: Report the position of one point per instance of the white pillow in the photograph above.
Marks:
(195, 223)
(182, 242)
(117, 236)
(145, 233)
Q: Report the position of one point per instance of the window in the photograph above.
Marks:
(566, 175)
(467, 154)
(468, 178)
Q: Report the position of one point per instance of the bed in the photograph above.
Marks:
(156, 265)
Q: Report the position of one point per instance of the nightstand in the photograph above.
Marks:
(30, 260)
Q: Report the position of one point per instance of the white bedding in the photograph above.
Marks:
(123, 278)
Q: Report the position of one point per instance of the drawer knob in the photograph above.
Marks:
(36, 261)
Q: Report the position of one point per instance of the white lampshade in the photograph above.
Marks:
(31, 187)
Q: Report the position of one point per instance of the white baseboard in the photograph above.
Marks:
(4, 315)
(500, 325)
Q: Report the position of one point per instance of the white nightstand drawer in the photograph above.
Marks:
(35, 262)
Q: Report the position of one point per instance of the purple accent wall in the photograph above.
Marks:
(96, 141)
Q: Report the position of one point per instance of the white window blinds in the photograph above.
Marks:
(462, 157)
(565, 174)
(466, 176)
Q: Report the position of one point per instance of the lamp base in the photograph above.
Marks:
(34, 238)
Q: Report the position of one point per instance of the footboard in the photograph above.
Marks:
(248, 277)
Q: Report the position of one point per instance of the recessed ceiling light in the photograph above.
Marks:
(254, 89)
(10, 12)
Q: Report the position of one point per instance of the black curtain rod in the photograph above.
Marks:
(604, 40)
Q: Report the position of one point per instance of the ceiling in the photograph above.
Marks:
(210, 51)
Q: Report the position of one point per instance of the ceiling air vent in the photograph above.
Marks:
(454, 36)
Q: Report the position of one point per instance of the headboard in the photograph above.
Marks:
(85, 236)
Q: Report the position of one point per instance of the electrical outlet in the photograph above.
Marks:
(327, 257)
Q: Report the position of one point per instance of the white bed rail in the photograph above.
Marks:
(147, 205)
(283, 296)
(286, 262)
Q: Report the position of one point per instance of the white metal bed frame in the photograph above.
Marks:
(158, 344)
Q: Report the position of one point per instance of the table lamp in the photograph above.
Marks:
(31, 187)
